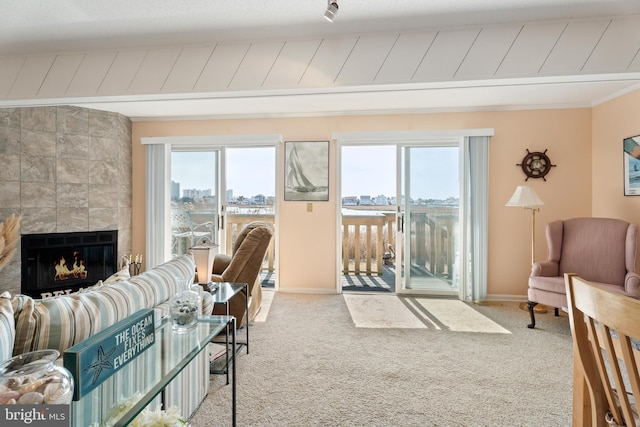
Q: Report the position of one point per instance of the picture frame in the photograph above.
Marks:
(631, 165)
(306, 171)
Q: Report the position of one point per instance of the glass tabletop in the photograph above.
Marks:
(128, 391)
(226, 290)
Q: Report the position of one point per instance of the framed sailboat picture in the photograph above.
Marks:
(306, 171)
(631, 148)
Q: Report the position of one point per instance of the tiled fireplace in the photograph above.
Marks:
(61, 263)
(64, 170)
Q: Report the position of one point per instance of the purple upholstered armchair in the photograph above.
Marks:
(600, 250)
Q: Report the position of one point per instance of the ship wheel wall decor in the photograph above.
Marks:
(536, 164)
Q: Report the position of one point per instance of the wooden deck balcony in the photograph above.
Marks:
(368, 238)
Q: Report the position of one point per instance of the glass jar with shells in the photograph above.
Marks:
(34, 378)
(185, 306)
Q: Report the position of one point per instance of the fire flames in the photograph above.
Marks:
(78, 271)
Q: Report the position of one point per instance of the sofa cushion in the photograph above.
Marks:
(118, 276)
(63, 321)
(556, 284)
(7, 326)
(159, 283)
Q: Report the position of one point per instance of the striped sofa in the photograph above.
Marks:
(63, 321)
(28, 324)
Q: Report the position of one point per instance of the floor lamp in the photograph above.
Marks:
(526, 197)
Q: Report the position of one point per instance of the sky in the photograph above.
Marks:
(366, 170)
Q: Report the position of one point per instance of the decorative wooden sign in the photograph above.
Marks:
(94, 360)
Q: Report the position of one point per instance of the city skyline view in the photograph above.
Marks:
(366, 171)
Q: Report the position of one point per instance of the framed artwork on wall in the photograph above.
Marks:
(306, 171)
(631, 158)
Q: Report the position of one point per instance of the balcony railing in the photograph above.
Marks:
(368, 239)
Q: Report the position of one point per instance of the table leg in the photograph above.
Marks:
(247, 314)
(226, 342)
(233, 362)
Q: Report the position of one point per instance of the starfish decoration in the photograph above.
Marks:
(101, 363)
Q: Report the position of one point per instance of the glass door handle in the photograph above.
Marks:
(400, 224)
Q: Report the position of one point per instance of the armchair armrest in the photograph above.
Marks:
(220, 263)
(632, 284)
(545, 269)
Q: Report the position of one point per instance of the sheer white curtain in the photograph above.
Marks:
(158, 211)
(476, 179)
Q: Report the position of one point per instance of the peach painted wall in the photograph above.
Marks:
(613, 121)
(307, 240)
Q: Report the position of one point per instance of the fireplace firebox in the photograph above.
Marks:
(62, 263)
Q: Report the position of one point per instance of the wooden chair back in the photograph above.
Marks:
(605, 326)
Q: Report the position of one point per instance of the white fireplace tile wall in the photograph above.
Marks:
(64, 169)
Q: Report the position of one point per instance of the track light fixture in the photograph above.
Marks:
(332, 10)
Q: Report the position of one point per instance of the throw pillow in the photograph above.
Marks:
(7, 326)
(117, 276)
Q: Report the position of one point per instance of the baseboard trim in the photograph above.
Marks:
(499, 297)
(323, 291)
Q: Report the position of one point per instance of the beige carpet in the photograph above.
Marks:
(267, 298)
(390, 311)
(380, 311)
(455, 316)
(311, 366)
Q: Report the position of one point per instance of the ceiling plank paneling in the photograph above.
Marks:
(221, 67)
(445, 55)
(291, 64)
(154, 71)
(366, 59)
(60, 76)
(635, 64)
(121, 73)
(9, 70)
(256, 65)
(574, 47)
(405, 57)
(187, 69)
(618, 46)
(31, 76)
(530, 50)
(487, 52)
(90, 73)
(328, 61)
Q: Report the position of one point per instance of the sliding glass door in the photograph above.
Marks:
(408, 243)
(428, 225)
(196, 205)
(215, 192)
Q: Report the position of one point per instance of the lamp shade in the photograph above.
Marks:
(203, 256)
(524, 196)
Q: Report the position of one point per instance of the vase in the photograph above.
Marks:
(185, 307)
(34, 378)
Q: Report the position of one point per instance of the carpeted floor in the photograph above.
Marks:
(311, 366)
